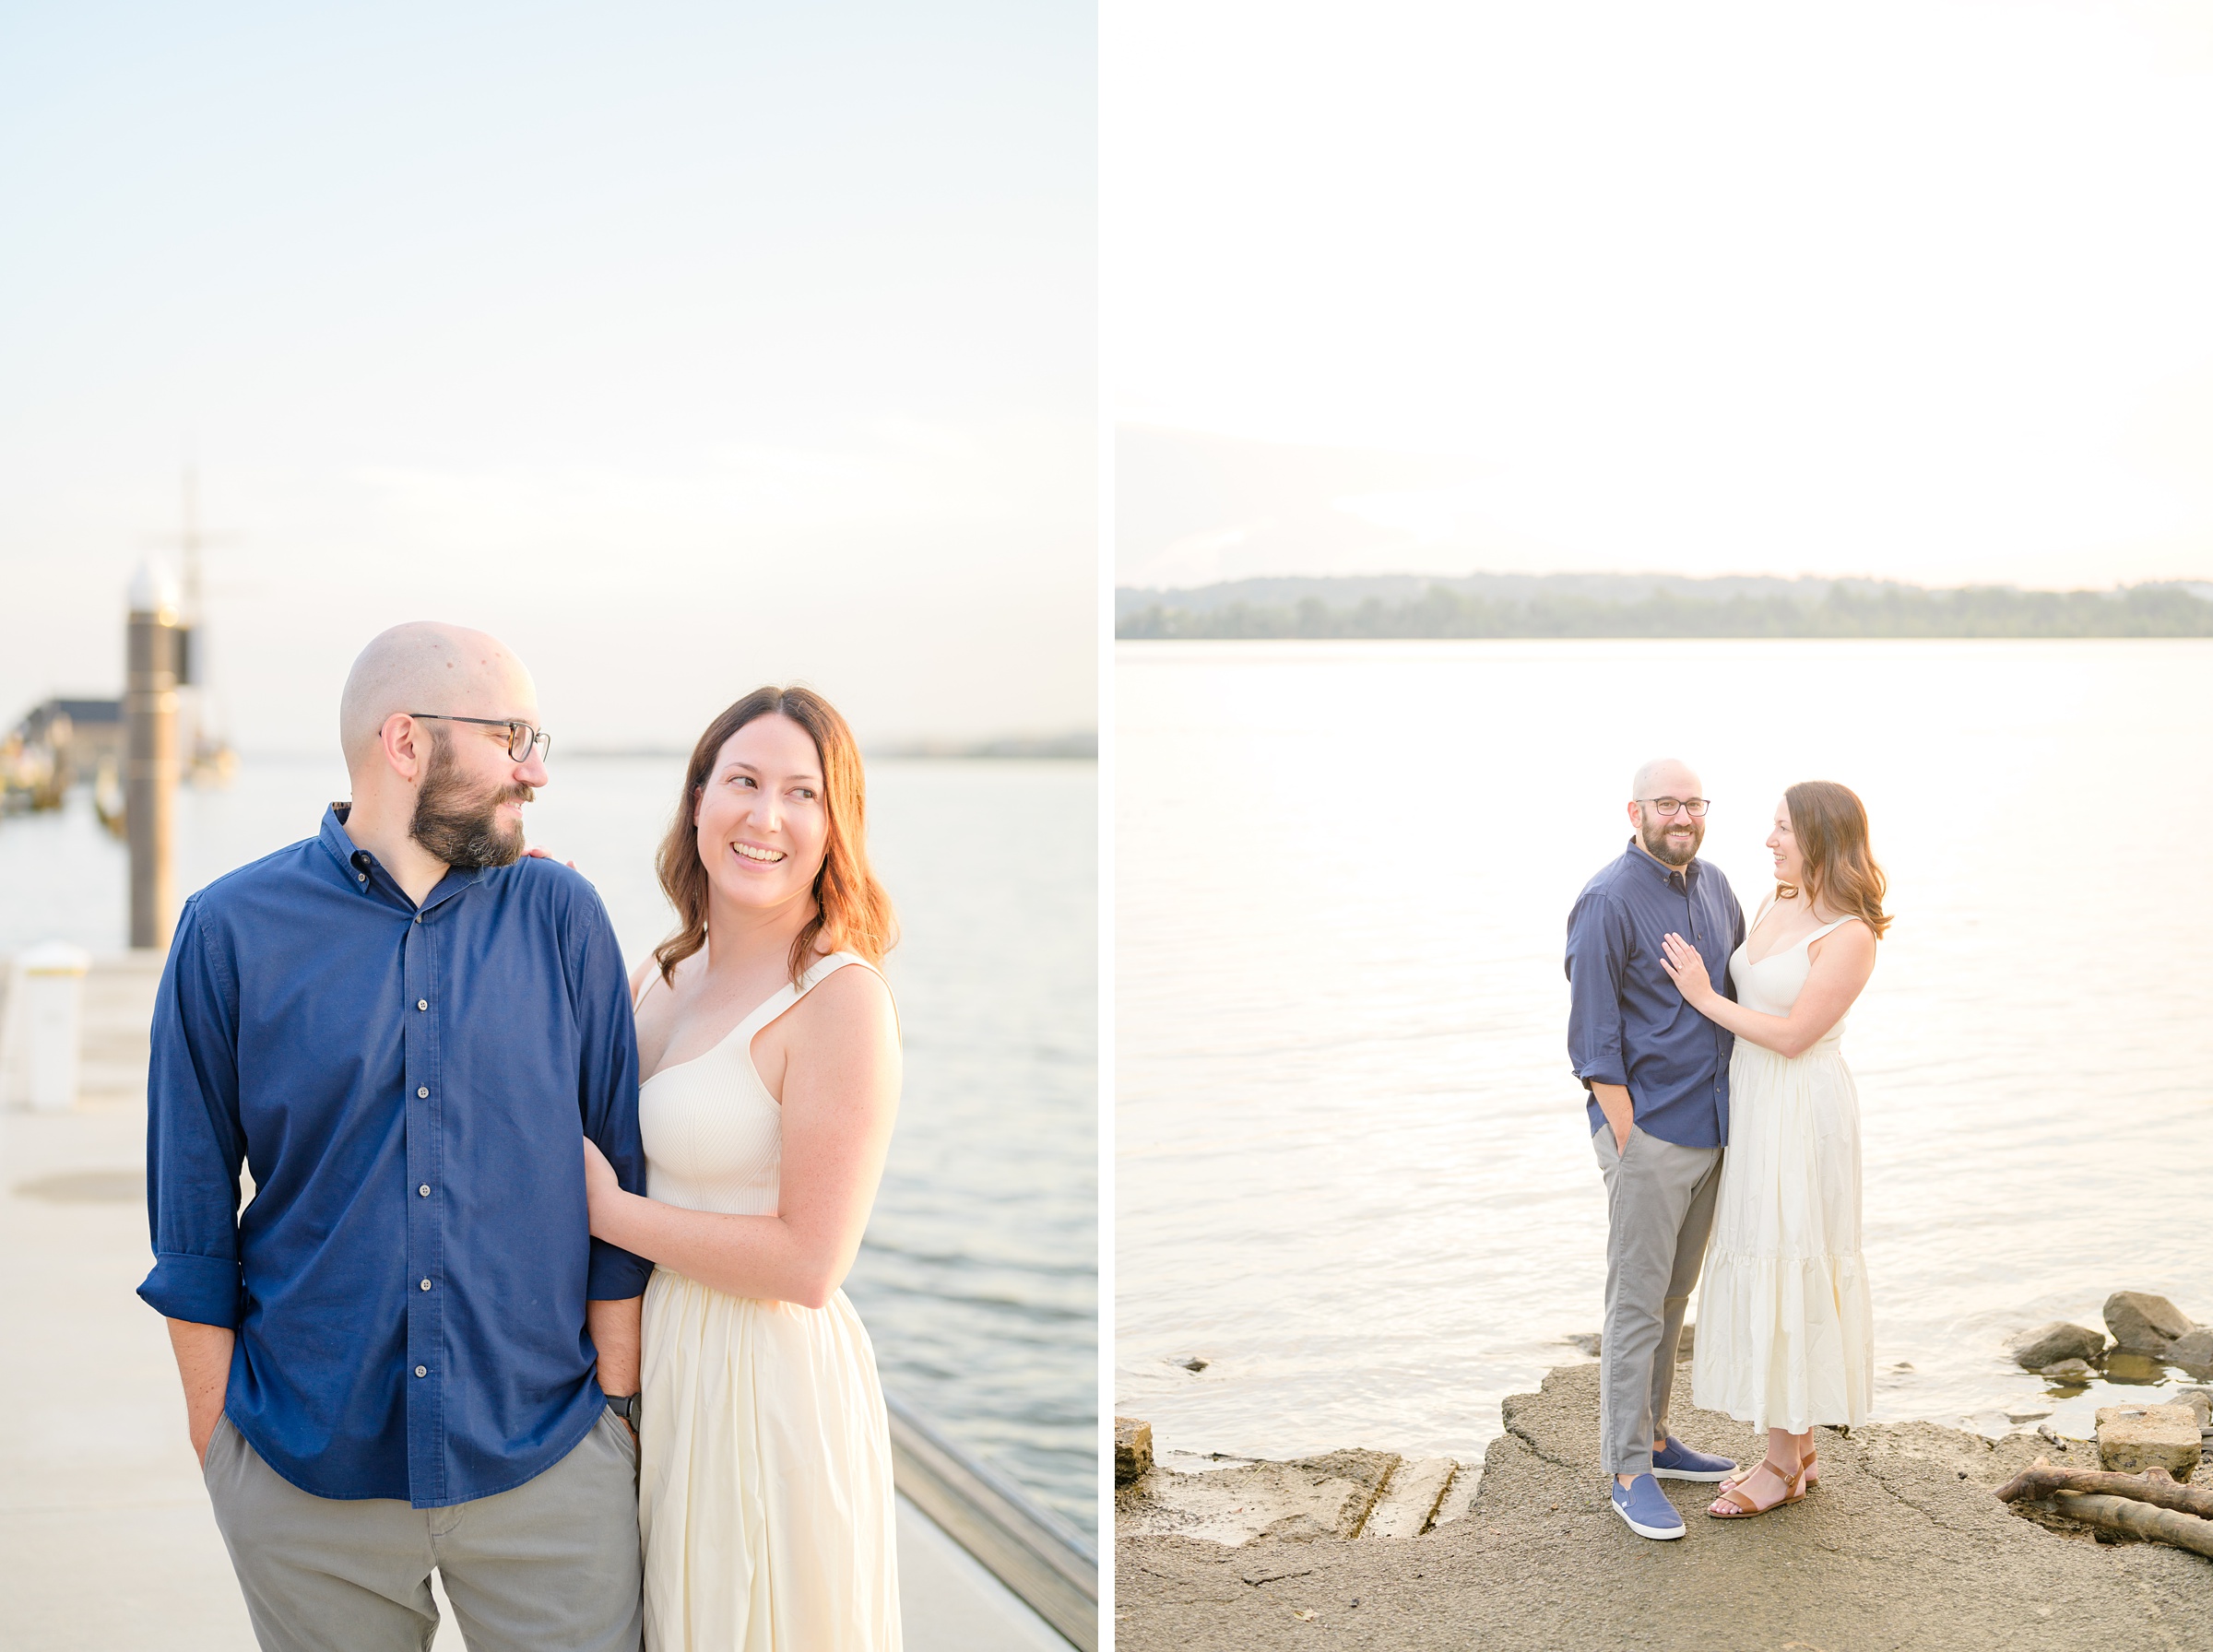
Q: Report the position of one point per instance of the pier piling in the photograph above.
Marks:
(149, 713)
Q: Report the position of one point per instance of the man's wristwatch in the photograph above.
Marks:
(626, 1407)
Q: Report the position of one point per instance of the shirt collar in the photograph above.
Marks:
(1674, 877)
(336, 844)
(364, 872)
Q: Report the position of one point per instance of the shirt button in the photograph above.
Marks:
(423, 1371)
(422, 1003)
(422, 1093)
(426, 1284)
(360, 877)
(419, 918)
(423, 1191)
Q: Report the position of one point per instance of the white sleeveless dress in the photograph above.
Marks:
(764, 1484)
(1786, 1334)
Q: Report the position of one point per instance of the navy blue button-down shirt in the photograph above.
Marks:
(408, 1087)
(1626, 1023)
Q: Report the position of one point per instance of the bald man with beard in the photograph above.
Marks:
(407, 1353)
(1655, 1075)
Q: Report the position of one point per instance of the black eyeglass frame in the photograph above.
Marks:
(516, 729)
(1669, 805)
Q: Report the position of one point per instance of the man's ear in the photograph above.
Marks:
(406, 746)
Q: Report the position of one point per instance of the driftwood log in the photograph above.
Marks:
(2137, 1519)
(2153, 1486)
(2150, 1505)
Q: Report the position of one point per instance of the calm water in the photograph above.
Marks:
(979, 1278)
(1354, 1172)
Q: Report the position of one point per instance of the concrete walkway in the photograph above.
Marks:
(105, 1537)
(106, 1541)
(1900, 1549)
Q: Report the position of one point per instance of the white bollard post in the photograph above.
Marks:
(52, 978)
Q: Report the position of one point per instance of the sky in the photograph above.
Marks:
(1911, 289)
(686, 347)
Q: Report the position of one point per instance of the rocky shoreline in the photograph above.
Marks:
(1902, 1545)
(2150, 1334)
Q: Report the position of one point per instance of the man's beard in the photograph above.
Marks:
(460, 829)
(1654, 833)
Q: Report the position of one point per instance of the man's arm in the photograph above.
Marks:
(204, 1362)
(1736, 937)
(194, 1146)
(615, 1331)
(607, 1097)
(1621, 1112)
(1597, 955)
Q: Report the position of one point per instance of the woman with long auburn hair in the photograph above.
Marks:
(1785, 1330)
(770, 1053)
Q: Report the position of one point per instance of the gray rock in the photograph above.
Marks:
(2193, 1351)
(2068, 1371)
(2131, 1438)
(1132, 1449)
(2199, 1400)
(2049, 1344)
(2142, 1323)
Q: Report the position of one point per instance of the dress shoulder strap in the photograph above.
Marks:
(1850, 917)
(822, 968)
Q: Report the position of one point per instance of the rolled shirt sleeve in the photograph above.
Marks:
(193, 1141)
(1598, 949)
(607, 1094)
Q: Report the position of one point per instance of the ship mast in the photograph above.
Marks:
(188, 541)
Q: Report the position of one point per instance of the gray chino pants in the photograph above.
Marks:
(1659, 1210)
(549, 1566)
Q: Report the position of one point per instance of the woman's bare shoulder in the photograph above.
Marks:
(852, 997)
(1849, 939)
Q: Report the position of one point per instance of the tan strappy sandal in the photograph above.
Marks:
(1742, 1507)
(1808, 1471)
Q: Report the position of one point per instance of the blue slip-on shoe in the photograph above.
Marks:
(1646, 1508)
(1680, 1462)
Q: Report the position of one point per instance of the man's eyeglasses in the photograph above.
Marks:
(521, 737)
(1667, 806)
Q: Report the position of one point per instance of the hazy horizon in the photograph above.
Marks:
(2204, 588)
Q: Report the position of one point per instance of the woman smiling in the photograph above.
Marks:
(1785, 1328)
(772, 1077)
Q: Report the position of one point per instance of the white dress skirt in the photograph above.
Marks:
(765, 1485)
(1785, 1330)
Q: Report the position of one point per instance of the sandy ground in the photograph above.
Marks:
(1901, 1546)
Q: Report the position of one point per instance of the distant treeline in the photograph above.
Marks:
(1855, 610)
